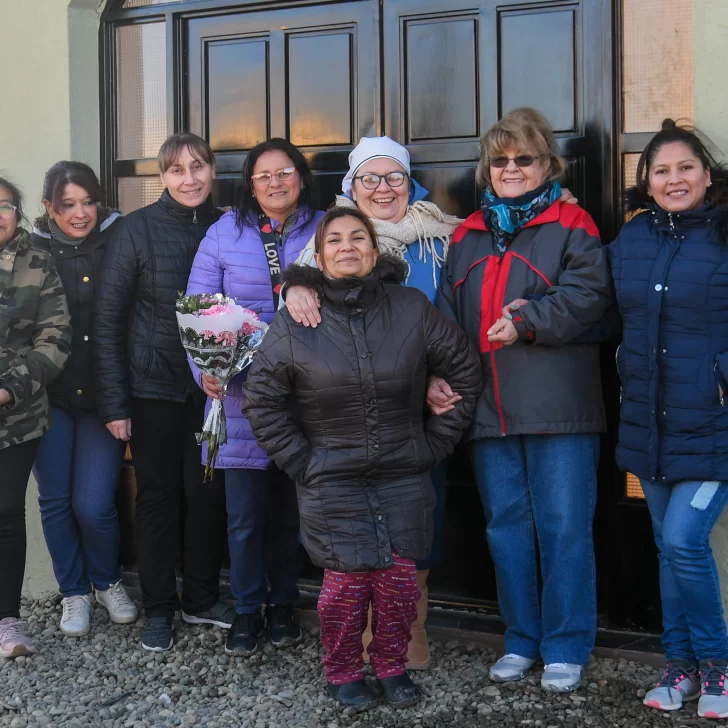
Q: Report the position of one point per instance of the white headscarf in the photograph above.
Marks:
(374, 148)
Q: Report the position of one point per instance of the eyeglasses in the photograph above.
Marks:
(371, 181)
(522, 160)
(7, 210)
(281, 174)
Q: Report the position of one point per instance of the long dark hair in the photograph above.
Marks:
(247, 208)
(16, 196)
(69, 173)
(671, 131)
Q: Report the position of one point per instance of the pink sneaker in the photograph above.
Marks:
(13, 640)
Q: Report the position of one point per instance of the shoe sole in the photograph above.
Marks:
(404, 703)
(159, 649)
(76, 634)
(556, 689)
(241, 653)
(287, 641)
(712, 714)
(358, 708)
(191, 619)
(118, 620)
(501, 679)
(17, 651)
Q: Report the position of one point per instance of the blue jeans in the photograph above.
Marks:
(438, 475)
(692, 611)
(541, 489)
(263, 538)
(77, 468)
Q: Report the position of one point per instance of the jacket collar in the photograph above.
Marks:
(188, 215)
(550, 214)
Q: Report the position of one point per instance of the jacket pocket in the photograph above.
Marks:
(708, 382)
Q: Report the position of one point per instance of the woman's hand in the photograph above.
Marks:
(303, 304)
(120, 429)
(503, 331)
(568, 198)
(513, 306)
(212, 387)
(440, 398)
(4, 396)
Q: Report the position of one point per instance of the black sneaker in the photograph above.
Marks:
(281, 625)
(355, 695)
(219, 614)
(158, 634)
(244, 634)
(400, 691)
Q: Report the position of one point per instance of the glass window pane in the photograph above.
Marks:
(629, 175)
(141, 89)
(658, 62)
(145, 3)
(136, 192)
(633, 489)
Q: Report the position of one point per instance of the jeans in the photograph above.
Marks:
(438, 475)
(539, 494)
(692, 611)
(168, 469)
(16, 462)
(262, 537)
(77, 468)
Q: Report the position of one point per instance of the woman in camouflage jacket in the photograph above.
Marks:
(35, 341)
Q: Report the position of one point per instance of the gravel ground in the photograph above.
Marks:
(107, 680)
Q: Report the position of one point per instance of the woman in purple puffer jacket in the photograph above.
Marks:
(243, 256)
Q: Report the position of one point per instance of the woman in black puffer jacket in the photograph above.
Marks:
(340, 408)
(145, 391)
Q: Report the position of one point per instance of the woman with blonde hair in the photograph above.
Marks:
(526, 276)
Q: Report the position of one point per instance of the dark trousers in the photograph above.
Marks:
(167, 464)
(16, 462)
(265, 556)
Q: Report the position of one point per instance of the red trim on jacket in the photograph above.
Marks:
(467, 272)
(532, 267)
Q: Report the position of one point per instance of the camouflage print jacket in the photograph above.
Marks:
(35, 337)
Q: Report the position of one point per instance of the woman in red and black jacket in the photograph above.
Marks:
(526, 276)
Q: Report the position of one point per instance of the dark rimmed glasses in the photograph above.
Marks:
(372, 181)
(521, 160)
(282, 175)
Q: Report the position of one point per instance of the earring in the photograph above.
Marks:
(709, 183)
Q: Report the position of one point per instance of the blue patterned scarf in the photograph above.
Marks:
(505, 216)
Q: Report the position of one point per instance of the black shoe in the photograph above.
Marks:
(353, 695)
(281, 626)
(219, 614)
(243, 636)
(158, 634)
(400, 691)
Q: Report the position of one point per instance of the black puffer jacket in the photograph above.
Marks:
(341, 408)
(147, 263)
(80, 269)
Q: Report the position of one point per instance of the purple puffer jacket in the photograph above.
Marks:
(234, 263)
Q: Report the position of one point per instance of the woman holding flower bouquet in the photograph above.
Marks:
(145, 392)
(341, 408)
(242, 257)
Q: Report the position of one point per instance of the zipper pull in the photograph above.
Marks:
(194, 217)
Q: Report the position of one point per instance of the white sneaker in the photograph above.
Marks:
(561, 677)
(76, 619)
(121, 608)
(510, 667)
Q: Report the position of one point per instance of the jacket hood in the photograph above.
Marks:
(107, 217)
(389, 269)
(717, 215)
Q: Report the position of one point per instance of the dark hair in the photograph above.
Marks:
(173, 145)
(69, 173)
(335, 213)
(16, 196)
(247, 208)
(672, 132)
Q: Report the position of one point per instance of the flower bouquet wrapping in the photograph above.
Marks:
(221, 338)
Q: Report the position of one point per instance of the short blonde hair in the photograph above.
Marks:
(525, 130)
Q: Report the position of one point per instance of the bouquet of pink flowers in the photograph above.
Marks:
(221, 338)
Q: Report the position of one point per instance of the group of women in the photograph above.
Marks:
(387, 308)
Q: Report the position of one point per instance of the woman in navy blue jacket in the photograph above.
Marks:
(670, 267)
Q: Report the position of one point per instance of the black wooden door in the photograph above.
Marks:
(433, 75)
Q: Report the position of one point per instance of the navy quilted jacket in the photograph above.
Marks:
(671, 278)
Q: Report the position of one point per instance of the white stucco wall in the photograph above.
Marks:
(711, 117)
(50, 53)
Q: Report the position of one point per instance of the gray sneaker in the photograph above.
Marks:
(510, 667)
(713, 701)
(561, 677)
(679, 683)
(219, 614)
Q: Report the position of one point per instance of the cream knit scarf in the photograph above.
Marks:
(424, 222)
